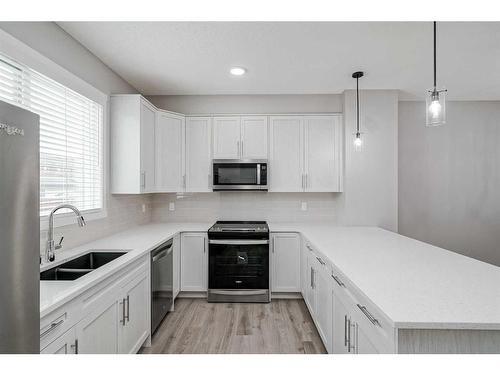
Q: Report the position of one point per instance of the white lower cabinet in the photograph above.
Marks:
(324, 305)
(97, 333)
(135, 325)
(340, 327)
(285, 260)
(114, 316)
(64, 344)
(194, 262)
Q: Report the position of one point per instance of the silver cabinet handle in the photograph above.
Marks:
(348, 335)
(204, 245)
(238, 147)
(242, 148)
(312, 278)
(345, 330)
(309, 247)
(302, 181)
(122, 320)
(184, 181)
(128, 308)
(75, 346)
(320, 261)
(160, 255)
(143, 180)
(370, 317)
(338, 281)
(52, 327)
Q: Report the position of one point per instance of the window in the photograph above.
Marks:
(71, 134)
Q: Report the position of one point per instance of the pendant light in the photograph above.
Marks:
(435, 101)
(358, 142)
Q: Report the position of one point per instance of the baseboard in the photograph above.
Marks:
(286, 295)
(192, 295)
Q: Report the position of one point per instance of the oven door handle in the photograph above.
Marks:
(239, 242)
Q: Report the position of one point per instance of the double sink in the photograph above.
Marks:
(78, 267)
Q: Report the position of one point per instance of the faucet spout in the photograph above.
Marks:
(51, 246)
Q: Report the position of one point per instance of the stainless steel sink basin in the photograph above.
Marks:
(75, 268)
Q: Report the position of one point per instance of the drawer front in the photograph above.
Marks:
(370, 319)
(110, 288)
(58, 322)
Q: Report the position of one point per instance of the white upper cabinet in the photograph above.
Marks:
(227, 137)
(322, 168)
(306, 153)
(198, 154)
(132, 145)
(286, 157)
(254, 136)
(236, 137)
(148, 118)
(169, 147)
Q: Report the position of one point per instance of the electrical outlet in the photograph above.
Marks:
(171, 206)
(143, 208)
(303, 206)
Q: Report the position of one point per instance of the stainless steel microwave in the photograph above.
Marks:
(237, 174)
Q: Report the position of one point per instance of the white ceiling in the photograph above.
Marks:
(193, 58)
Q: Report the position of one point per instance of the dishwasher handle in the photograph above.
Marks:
(161, 251)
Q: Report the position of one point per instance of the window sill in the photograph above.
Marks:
(68, 218)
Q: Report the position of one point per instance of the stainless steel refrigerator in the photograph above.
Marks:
(19, 230)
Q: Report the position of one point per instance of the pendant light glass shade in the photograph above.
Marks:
(436, 99)
(436, 108)
(358, 141)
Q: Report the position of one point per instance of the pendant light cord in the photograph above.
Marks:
(357, 105)
(435, 55)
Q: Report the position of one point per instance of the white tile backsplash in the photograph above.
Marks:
(245, 206)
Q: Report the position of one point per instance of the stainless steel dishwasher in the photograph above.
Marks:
(162, 280)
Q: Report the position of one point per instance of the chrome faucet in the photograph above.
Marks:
(50, 255)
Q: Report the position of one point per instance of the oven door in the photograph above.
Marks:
(238, 268)
(239, 175)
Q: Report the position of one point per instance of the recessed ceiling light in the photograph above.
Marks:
(237, 71)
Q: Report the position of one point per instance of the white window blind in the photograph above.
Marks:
(71, 158)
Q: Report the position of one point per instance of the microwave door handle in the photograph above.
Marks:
(258, 174)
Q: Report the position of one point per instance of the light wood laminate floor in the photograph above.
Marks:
(198, 327)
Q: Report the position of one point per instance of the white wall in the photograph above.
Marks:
(205, 104)
(449, 178)
(54, 43)
(370, 196)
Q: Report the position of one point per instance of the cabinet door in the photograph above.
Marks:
(136, 328)
(227, 137)
(286, 155)
(310, 293)
(169, 147)
(148, 116)
(322, 153)
(324, 305)
(363, 344)
(286, 262)
(97, 333)
(194, 262)
(340, 326)
(64, 344)
(198, 150)
(254, 135)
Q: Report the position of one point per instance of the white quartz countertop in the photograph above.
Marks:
(137, 241)
(415, 284)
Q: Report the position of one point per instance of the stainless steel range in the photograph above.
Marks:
(238, 253)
